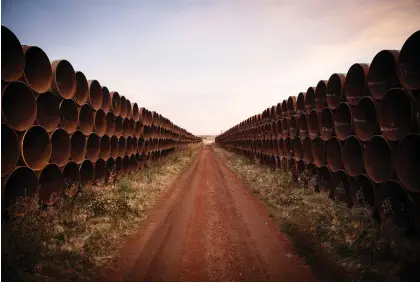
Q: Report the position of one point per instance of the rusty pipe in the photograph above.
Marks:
(48, 111)
(326, 124)
(122, 146)
(13, 59)
(128, 127)
(288, 148)
(378, 159)
(82, 89)
(129, 146)
(313, 124)
(355, 86)
(291, 106)
(71, 177)
(93, 147)
(318, 152)
(362, 190)
(118, 126)
(307, 155)
(321, 95)
(136, 113)
(129, 110)
(69, 115)
(284, 108)
(35, 147)
(409, 62)
(106, 100)
(140, 145)
(78, 147)
(382, 74)
(51, 184)
(115, 103)
(95, 97)
(303, 126)
(138, 129)
(123, 112)
(343, 121)
(61, 147)
(335, 90)
(310, 100)
(300, 103)
(133, 163)
(10, 149)
(294, 127)
(119, 166)
(105, 147)
(285, 127)
(110, 124)
(365, 119)
(333, 154)
(100, 123)
(18, 99)
(352, 154)
(397, 115)
(407, 162)
(63, 81)
(86, 119)
(37, 73)
(22, 182)
(297, 149)
(101, 173)
(126, 164)
(86, 172)
(114, 147)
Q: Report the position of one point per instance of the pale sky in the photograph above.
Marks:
(208, 65)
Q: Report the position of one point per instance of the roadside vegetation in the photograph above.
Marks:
(339, 243)
(78, 236)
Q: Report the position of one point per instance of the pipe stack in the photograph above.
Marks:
(61, 131)
(357, 133)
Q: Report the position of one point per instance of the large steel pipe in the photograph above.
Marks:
(35, 148)
(310, 100)
(129, 110)
(397, 116)
(93, 147)
(101, 172)
(134, 166)
(128, 127)
(362, 190)
(297, 149)
(378, 159)
(288, 148)
(115, 103)
(122, 146)
(365, 119)
(409, 62)
(136, 113)
(126, 164)
(10, 149)
(313, 124)
(355, 86)
(86, 119)
(123, 112)
(118, 126)
(51, 184)
(300, 103)
(383, 73)
(95, 94)
(352, 154)
(71, 176)
(105, 147)
(321, 95)
(303, 126)
(343, 121)
(114, 147)
(48, 111)
(13, 59)
(407, 162)
(335, 90)
(110, 124)
(285, 122)
(69, 115)
(291, 106)
(87, 172)
(61, 147)
(37, 73)
(326, 124)
(64, 79)
(106, 99)
(82, 89)
(100, 123)
(307, 151)
(138, 129)
(294, 127)
(78, 147)
(333, 154)
(22, 182)
(18, 106)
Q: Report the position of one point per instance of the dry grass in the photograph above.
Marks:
(340, 243)
(76, 237)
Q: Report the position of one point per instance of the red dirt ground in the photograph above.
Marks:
(208, 227)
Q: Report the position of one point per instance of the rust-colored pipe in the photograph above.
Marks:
(284, 108)
(118, 126)
(313, 124)
(407, 162)
(22, 182)
(87, 172)
(119, 165)
(101, 172)
(318, 152)
(138, 129)
(13, 59)
(136, 113)
(333, 154)
(105, 147)
(285, 127)
(122, 146)
(303, 126)
(123, 112)
(111, 167)
(93, 147)
(35, 148)
(82, 89)
(291, 106)
(288, 149)
(409, 62)
(69, 115)
(340, 185)
(397, 116)
(378, 159)
(391, 201)
(51, 184)
(321, 95)
(115, 103)
(326, 124)
(352, 154)
(110, 124)
(335, 90)
(126, 164)
(86, 119)
(134, 144)
(307, 155)
(95, 94)
(10, 149)
(294, 127)
(71, 176)
(140, 145)
(106, 100)
(133, 163)
(129, 110)
(365, 119)
(382, 74)
(300, 103)
(37, 73)
(343, 121)
(310, 100)
(61, 147)
(362, 190)
(100, 123)
(64, 79)
(355, 86)
(297, 149)
(78, 147)
(18, 106)
(114, 147)
(48, 111)
(128, 127)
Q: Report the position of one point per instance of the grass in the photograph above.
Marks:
(338, 242)
(74, 239)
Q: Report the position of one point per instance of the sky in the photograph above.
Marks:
(207, 65)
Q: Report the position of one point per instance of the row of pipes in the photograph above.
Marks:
(61, 131)
(356, 133)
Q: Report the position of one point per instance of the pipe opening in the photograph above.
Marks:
(61, 147)
(69, 115)
(378, 160)
(300, 103)
(383, 73)
(86, 119)
(310, 100)
(122, 146)
(335, 90)
(13, 59)
(115, 103)
(333, 154)
(118, 126)
(352, 154)
(38, 72)
(71, 176)
(100, 122)
(93, 147)
(51, 184)
(87, 172)
(343, 121)
(355, 84)
(95, 94)
(82, 89)
(326, 124)
(106, 99)
(105, 147)
(313, 124)
(123, 112)
(101, 174)
(365, 119)
(136, 113)
(78, 146)
(114, 147)
(409, 62)
(48, 111)
(110, 123)
(64, 79)
(297, 149)
(307, 151)
(321, 95)
(36, 148)
(21, 183)
(408, 162)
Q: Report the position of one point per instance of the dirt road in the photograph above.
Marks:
(209, 227)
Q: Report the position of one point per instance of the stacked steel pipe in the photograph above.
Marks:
(61, 131)
(357, 133)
